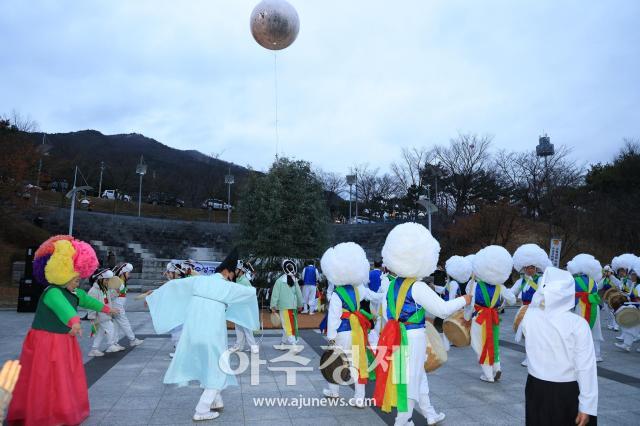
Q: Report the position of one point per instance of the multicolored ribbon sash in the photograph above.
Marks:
(360, 325)
(393, 351)
(587, 300)
(490, 321)
(290, 321)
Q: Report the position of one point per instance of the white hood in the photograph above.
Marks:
(558, 291)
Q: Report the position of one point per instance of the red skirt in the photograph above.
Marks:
(52, 387)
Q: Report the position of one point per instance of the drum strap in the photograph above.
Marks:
(587, 300)
(359, 322)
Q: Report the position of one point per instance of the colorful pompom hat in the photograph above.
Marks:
(62, 258)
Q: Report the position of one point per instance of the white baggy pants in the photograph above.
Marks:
(106, 332)
(309, 298)
(243, 335)
(208, 397)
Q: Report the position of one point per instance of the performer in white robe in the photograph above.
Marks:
(631, 334)
(491, 267)
(410, 253)
(202, 305)
(119, 297)
(562, 387)
(587, 271)
(347, 324)
(530, 261)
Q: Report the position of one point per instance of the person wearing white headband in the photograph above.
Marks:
(119, 297)
(286, 298)
(244, 272)
(562, 386)
(102, 328)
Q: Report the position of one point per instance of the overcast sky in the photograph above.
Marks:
(364, 78)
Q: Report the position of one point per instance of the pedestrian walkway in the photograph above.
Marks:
(126, 388)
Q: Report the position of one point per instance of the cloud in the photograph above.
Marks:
(364, 78)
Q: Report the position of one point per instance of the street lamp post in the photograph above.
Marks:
(141, 169)
(229, 180)
(73, 201)
(100, 184)
(351, 180)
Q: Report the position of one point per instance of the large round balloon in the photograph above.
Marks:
(274, 24)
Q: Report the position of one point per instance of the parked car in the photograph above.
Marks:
(360, 219)
(112, 194)
(162, 198)
(214, 204)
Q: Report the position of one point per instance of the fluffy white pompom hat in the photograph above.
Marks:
(530, 255)
(624, 261)
(459, 268)
(585, 264)
(492, 265)
(345, 264)
(410, 251)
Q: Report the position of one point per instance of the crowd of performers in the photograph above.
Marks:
(381, 318)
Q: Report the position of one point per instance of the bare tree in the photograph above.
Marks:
(533, 182)
(18, 122)
(464, 161)
(409, 171)
(331, 182)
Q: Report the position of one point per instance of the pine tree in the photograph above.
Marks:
(283, 213)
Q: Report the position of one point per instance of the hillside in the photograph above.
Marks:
(188, 174)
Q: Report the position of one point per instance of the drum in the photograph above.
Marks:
(609, 293)
(616, 300)
(114, 283)
(628, 316)
(436, 354)
(275, 319)
(519, 316)
(457, 330)
(334, 366)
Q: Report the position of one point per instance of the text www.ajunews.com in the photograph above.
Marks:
(302, 402)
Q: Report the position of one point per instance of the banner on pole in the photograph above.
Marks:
(554, 251)
(202, 267)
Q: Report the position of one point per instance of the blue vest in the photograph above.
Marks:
(309, 277)
(527, 296)
(409, 308)
(345, 325)
(374, 279)
(478, 297)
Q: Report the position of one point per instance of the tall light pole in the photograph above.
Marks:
(356, 197)
(141, 169)
(429, 205)
(73, 201)
(351, 180)
(43, 149)
(229, 180)
(545, 149)
(100, 184)
(72, 196)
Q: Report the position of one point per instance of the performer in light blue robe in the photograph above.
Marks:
(202, 305)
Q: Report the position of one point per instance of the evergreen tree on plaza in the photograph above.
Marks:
(283, 213)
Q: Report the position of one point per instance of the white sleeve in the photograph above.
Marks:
(453, 289)
(616, 281)
(333, 316)
(508, 295)
(426, 297)
(372, 296)
(439, 289)
(587, 372)
(471, 290)
(516, 288)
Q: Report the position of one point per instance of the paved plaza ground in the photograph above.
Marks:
(127, 389)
